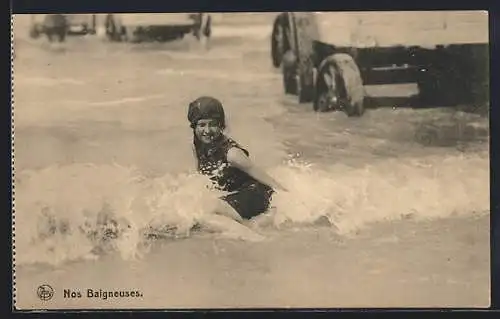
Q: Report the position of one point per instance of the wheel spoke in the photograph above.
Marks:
(332, 72)
(329, 99)
(328, 79)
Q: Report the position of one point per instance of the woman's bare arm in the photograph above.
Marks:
(238, 158)
(195, 158)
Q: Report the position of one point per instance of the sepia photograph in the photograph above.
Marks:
(244, 160)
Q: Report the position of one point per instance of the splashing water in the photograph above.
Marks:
(384, 191)
(71, 212)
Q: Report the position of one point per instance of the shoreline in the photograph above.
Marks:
(406, 263)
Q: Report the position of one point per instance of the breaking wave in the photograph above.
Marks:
(77, 211)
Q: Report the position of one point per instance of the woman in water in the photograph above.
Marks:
(230, 169)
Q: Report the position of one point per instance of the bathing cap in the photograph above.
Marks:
(206, 107)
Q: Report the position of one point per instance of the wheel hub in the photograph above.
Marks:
(289, 59)
(333, 100)
(329, 101)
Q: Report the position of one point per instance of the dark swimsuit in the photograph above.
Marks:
(248, 196)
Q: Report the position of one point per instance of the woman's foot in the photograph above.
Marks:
(261, 221)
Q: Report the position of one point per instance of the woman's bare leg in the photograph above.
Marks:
(223, 218)
(229, 227)
(222, 208)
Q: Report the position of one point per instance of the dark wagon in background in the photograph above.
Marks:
(58, 26)
(139, 27)
(328, 57)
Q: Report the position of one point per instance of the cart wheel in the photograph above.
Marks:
(289, 73)
(305, 83)
(61, 34)
(124, 34)
(202, 29)
(111, 29)
(305, 88)
(278, 39)
(297, 80)
(339, 86)
(207, 30)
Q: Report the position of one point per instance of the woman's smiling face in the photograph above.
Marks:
(207, 130)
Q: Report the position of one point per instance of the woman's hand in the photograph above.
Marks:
(283, 188)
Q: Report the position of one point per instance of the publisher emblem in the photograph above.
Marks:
(45, 292)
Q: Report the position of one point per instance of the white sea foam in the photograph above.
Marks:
(69, 212)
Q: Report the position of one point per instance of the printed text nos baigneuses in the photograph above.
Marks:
(101, 294)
